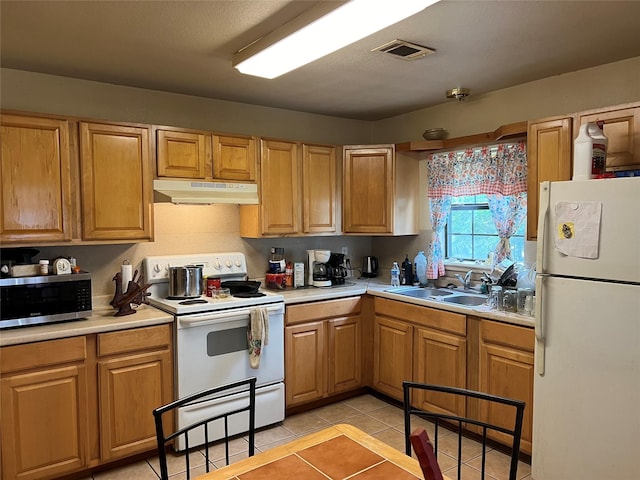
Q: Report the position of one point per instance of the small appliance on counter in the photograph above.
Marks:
(338, 270)
(319, 268)
(39, 299)
(369, 266)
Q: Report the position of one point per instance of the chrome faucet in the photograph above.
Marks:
(466, 281)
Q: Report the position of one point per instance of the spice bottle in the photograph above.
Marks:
(44, 267)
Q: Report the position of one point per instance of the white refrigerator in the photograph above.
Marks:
(586, 405)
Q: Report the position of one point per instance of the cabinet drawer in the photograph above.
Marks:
(425, 316)
(324, 309)
(510, 335)
(134, 340)
(42, 354)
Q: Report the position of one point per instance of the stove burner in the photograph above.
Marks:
(170, 297)
(248, 294)
(192, 302)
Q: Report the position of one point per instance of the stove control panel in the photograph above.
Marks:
(229, 265)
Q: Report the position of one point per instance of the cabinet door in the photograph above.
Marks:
(368, 190)
(35, 175)
(131, 387)
(116, 182)
(548, 158)
(279, 187)
(319, 188)
(304, 362)
(344, 341)
(182, 154)
(392, 355)
(44, 422)
(135, 375)
(622, 128)
(506, 370)
(440, 359)
(234, 158)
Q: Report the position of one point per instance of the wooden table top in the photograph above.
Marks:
(336, 452)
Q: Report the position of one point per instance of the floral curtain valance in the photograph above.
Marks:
(479, 171)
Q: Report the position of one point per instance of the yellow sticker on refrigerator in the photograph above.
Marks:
(566, 230)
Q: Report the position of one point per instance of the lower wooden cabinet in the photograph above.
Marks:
(323, 349)
(506, 369)
(421, 344)
(392, 354)
(75, 403)
(135, 372)
(44, 409)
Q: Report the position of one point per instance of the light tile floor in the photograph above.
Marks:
(370, 414)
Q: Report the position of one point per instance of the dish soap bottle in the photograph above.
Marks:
(395, 275)
(421, 267)
(407, 269)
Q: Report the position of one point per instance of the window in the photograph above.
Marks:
(470, 233)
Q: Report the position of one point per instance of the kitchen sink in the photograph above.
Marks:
(468, 300)
(420, 292)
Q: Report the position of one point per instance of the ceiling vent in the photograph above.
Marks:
(404, 50)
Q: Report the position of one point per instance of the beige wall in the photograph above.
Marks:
(37, 92)
(611, 84)
(189, 229)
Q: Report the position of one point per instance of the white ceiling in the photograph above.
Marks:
(187, 47)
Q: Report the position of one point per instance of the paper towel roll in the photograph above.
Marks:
(127, 274)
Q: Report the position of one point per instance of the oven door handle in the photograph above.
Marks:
(227, 316)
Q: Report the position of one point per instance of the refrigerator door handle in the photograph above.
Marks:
(539, 325)
(542, 225)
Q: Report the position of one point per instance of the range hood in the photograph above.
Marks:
(203, 193)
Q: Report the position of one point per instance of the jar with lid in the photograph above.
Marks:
(510, 300)
(44, 267)
(525, 299)
(277, 263)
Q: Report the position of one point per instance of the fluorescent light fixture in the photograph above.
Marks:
(319, 31)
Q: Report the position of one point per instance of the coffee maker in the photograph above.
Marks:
(338, 270)
(319, 269)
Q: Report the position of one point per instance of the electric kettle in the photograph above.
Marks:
(369, 266)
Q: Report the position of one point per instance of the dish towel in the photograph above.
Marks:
(578, 228)
(258, 335)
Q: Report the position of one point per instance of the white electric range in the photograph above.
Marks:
(211, 341)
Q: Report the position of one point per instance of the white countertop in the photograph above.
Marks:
(378, 288)
(103, 320)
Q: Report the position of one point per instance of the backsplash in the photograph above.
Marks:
(182, 229)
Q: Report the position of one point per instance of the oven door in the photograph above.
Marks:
(212, 349)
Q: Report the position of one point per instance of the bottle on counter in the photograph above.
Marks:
(44, 267)
(420, 263)
(288, 278)
(407, 270)
(395, 275)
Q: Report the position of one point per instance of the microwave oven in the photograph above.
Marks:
(35, 300)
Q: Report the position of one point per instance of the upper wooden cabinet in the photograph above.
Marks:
(297, 191)
(622, 129)
(182, 154)
(319, 188)
(549, 157)
(234, 158)
(116, 182)
(35, 175)
(380, 191)
(279, 187)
